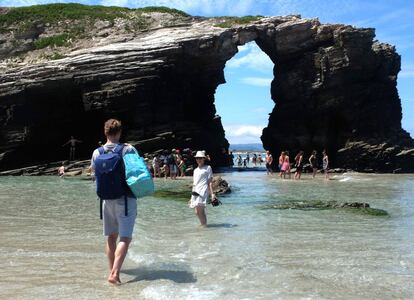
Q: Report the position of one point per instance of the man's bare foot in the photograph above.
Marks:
(114, 280)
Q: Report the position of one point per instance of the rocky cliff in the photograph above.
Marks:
(157, 70)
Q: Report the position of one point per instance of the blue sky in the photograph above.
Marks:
(244, 101)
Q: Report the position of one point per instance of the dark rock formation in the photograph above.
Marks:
(334, 87)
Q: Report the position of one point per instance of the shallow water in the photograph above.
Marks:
(52, 245)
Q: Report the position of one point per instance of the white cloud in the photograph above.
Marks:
(257, 81)
(243, 134)
(254, 59)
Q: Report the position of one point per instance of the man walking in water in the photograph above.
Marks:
(72, 142)
(118, 213)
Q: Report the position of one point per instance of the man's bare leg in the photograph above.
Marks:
(110, 249)
(120, 254)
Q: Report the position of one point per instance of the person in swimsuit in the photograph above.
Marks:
(72, 142)
(299, 164)
(314, 163)
(325, 164)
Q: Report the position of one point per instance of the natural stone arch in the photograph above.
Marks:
(161, 83)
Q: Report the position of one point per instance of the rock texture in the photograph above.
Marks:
(334, 88)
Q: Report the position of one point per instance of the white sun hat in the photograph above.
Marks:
(200, 154)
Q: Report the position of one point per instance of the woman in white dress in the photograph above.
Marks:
(202, 187)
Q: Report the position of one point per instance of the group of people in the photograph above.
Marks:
(284, 164)
(256, 160)
(169, 164)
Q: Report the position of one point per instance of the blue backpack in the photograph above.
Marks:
(110, 175)
(138, 177)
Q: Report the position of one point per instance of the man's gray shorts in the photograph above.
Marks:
(114, 219)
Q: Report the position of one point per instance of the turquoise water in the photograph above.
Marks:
(52, 245)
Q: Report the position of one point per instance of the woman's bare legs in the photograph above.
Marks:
(201, 214)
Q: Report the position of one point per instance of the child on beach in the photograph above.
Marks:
(202, 188)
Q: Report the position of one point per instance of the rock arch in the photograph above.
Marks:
(334, 87)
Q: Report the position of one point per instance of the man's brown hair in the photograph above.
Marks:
(112, 127)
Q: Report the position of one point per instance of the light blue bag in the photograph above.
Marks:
(137, 175)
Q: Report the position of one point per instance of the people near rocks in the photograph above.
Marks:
(254, 159)
(285, 169)
(259, 159)
(61, 170)
(118, 213)
(165, 170)
(247, 158)
(314, 163)
(172, 164)
(202, 188)
(269, 162)
(239, 160)
(72, 147)
(231, 159)
(281, 160)
(156, 166)
(325, 164)
(180, 163)
(298, 164)
(245, 163)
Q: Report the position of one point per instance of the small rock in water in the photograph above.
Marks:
(220, 186)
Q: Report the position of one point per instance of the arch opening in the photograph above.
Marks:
(244, 101)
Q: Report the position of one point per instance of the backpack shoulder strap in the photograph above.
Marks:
(101, 150)
(118, 149)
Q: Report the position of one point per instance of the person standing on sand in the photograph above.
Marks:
(314, 163)
(202, 188)
(269, 161)
(325, 164)
(118, 214)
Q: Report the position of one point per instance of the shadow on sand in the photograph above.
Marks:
(151, 273)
